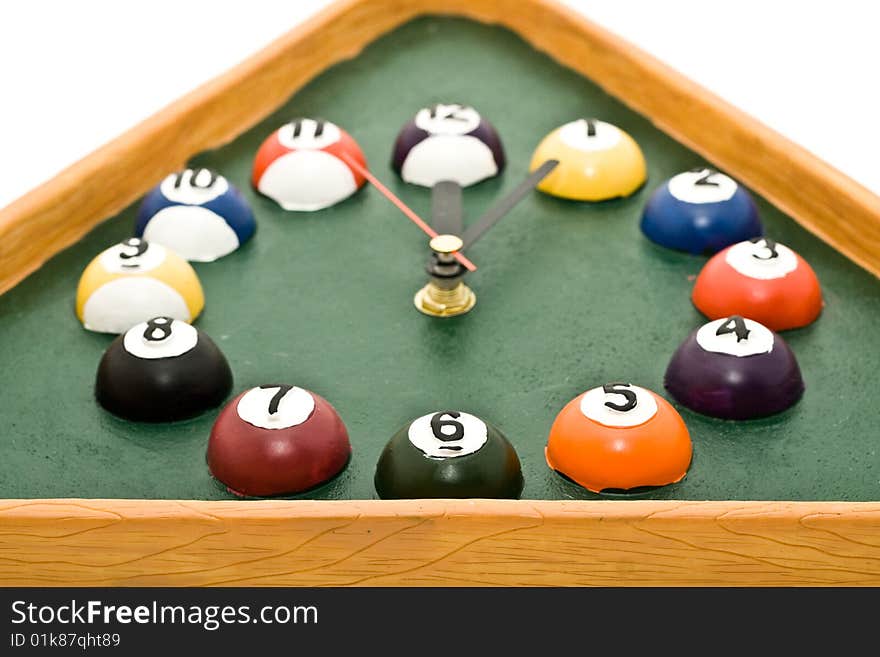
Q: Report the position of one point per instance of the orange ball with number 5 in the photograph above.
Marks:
(619, 437)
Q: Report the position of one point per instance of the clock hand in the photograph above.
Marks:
(416, 219)
(476, 230)
(446, 211)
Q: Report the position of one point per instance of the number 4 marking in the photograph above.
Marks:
(736, 325)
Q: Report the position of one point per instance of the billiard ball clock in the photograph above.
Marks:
(282, 439)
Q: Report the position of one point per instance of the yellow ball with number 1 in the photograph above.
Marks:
(597, 161)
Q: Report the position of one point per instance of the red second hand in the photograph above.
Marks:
(416, 219)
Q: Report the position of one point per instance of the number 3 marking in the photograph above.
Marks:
(769, 244)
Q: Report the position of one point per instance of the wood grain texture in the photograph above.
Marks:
(55, 215)
(437, 543)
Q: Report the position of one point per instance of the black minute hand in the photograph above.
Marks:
(476, 230)
(446, 210)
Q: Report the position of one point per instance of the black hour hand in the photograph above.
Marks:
(476, 230)
(446, 209)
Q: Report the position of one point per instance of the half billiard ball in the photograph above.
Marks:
(619, 437)
(277, 439)
(448, 454)
(447, 141)
(162, 370)
(197, 214)
(302, 166)
(597, 161)
(133, 281)
(760, 279)
(700, 211)
(735, 368)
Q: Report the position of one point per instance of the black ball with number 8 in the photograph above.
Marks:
(162, 370)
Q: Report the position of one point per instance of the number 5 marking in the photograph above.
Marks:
(629, 395)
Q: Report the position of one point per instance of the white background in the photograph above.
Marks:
(76, 74)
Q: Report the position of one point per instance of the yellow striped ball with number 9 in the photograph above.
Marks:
(134, 281)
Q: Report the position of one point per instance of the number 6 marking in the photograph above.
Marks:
(437, 424)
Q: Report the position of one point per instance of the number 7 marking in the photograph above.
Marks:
(283, 389)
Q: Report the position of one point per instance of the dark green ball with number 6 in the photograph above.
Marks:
(448, 454)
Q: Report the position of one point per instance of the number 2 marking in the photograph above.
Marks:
(437, 424)
(705, 181)
(621, 389)
(283, 389)
(769, 244)
(736, 325)
(160, 324)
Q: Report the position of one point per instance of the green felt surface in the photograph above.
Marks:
(570, 296)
